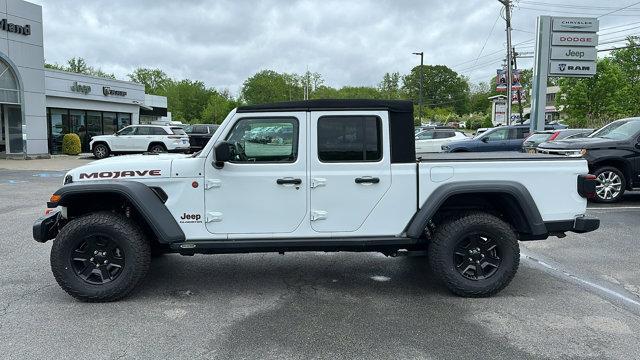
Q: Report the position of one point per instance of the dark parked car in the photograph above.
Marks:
(502, 138)
(199, 135)
(613, 154)
(531, 143)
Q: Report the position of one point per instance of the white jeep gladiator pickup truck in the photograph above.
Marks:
(318, 175)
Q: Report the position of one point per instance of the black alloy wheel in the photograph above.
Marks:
(98, 260)
(477, 257)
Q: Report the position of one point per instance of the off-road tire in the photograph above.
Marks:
(157, 148)
(447, 237)
(127, 235)
(101, 151)
(623, 182)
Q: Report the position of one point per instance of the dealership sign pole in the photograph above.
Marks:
(565, 46)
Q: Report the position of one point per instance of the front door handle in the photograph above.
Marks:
(289, 181)
(367, 180)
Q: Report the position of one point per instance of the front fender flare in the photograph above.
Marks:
(143, 199)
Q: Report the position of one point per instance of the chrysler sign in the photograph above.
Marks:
(575, 24)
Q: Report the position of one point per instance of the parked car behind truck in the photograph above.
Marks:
(501, 138)
(531, 143)
(345, 180)
(613, 155)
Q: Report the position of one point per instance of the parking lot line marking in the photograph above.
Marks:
(620, 297)
(615, 207)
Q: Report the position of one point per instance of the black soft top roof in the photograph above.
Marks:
(332, 104)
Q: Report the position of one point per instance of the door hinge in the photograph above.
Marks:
(214, 217)
(317, 182)
(318, 215)
(212, 183)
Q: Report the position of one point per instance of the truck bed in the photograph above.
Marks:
(488, 156)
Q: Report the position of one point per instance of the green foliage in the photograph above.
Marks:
(155, 81)
(441, 87)
(389, 87)
(217, 107)
(187, 99)
(71, 144)
(80, 66)
(476, 121)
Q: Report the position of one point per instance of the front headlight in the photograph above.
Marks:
(583, 152)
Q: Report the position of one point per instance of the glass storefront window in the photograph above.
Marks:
(77, 124)
(109, 123)
(59, 125)
(124, 120)
(14, 119)
(85, 123)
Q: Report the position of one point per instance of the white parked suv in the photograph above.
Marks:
(431, 140)
(140, 138)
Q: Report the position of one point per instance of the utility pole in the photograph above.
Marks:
(515, 67)
(421, 80)
(507, 18)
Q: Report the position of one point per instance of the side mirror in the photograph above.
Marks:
(638, 145)
(223, 152)
(485, 139)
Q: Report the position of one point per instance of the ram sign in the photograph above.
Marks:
(572, 68)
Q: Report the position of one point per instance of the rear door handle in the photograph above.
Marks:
(289, 181)
(367, 180)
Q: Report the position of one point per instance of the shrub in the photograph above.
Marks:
(71, 144)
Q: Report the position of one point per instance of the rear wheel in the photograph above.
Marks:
(157, 148)
(475, 254)
(101, 151)
(100, 257)
(610, 184)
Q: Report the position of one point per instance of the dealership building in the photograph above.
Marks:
(38, 106)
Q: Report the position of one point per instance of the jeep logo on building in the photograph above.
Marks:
(119, 174)
(82, 89)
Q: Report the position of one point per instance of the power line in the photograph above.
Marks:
(538, 3)
(618, 48)
(488, 36)
(619, 26)
(572, 12)
(622, 8)
(617, 31)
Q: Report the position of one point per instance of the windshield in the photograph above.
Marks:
(539, 138)
(619, 130)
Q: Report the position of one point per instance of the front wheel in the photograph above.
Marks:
(610, 184)
(100, 257)
(475, 254)
(100, 151)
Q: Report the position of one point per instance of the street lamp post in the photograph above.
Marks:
(421, 80)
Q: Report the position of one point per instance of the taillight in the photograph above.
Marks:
(587, 186)
(554, 136)
(175, 137)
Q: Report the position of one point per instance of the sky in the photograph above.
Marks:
(350, 42)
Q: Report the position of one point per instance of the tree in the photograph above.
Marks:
(269, 86)
(187, 99)
(155, 81)
(597, 100)
(479, 98)
(80, 66)
(442, 87)
(389, 87)
(220, 103)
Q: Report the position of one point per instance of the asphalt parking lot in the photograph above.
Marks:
(576, 297)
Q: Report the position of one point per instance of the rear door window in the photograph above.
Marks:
(349, 138)
(178, 131)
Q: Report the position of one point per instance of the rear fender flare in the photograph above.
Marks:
(517, 191)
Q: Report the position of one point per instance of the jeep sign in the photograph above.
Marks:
(571, 53)
(572, 68)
